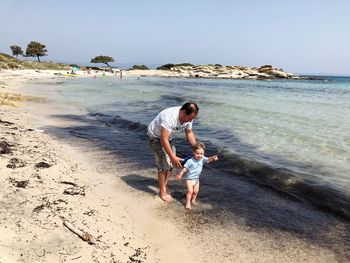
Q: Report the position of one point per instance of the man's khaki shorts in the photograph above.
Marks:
(162, 159)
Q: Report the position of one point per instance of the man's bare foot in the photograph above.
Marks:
(166, 197)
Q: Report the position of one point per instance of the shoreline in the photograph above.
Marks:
(46, 181)
(129, 221)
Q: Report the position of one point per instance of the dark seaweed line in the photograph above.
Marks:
(282, 181)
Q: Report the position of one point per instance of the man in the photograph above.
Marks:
(167, 123)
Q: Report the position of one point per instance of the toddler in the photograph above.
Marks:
(193, 168)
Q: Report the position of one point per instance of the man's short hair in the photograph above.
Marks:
(190, 107)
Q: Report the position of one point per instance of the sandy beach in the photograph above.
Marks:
(46, 181)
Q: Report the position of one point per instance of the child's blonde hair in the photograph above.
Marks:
(198, 145)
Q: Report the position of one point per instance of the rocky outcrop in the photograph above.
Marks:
(231, 72)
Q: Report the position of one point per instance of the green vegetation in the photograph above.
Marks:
(141, 67)
(36, 49)
(103, 59)
(170, 65)
(184, 65)
(166, 67)
(10, 62)
(16, 50)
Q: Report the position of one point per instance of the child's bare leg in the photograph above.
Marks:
(189, 186)
(195, 193)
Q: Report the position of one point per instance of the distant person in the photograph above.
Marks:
(193, 168)
(167, 123)
(120, 74)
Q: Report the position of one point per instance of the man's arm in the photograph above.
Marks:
(191, 138)
(164, 139)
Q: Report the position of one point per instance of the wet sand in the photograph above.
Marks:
(46, 179)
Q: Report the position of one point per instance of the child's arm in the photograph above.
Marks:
(212, 158)
(181, 173)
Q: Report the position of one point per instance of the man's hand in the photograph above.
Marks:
(176, 161)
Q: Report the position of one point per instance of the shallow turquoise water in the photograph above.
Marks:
(302, 126)
(287, 133)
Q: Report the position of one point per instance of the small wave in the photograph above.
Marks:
(98, 114)
(290, 184)
(130, 125)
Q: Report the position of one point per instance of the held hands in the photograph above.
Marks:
(180, 174)
(178, 177)
(177, 162)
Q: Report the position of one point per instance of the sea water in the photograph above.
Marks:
(291, 135)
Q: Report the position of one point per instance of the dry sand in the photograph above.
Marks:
(45, 181)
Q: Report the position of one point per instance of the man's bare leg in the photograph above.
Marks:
(168, 175)
(163, 180)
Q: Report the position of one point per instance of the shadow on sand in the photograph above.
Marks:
(237, 198)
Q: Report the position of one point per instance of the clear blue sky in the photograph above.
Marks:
(300, 36)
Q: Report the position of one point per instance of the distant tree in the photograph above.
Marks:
(184, 64)
(170, 65)
(102, 59)
(166, 66)
(36, 49)
(16, 50)
(142, 67)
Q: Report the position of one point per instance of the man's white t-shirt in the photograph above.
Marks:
(169, 120)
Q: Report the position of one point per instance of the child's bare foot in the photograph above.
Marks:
(194, 203)
(188, 206)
